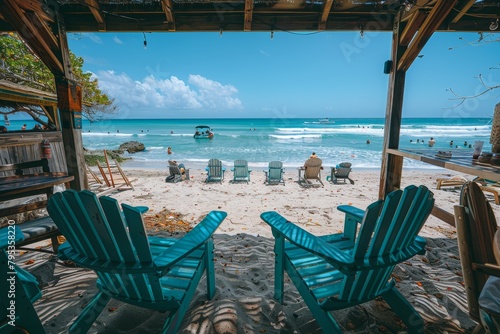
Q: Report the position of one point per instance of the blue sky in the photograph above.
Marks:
(208, 75)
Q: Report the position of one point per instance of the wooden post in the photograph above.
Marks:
(392, 166)
(69, 95)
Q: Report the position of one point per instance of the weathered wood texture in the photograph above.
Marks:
(392, 166)
(27, 146)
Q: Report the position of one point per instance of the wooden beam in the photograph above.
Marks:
(32, 34)
(443, 215)
(98, 15)
(463, 10)
(64, 48)
(45, 31)
(324, 14)
(412, 27)
(392, 165)
(431, 23)
(69, 96)
(168, 8)
(247, 25)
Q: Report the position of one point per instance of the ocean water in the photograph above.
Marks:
(290, 140)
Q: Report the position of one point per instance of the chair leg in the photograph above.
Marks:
(490, 323)
(324, 318)
(90, 313)
(25, 314)
(479, 329)
(404, 310)
(209, 264)
(279, 268)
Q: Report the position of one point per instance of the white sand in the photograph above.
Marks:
(245, 260)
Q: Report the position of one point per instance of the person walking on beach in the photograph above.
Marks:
(431, 142)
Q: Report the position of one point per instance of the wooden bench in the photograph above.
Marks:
(21, 180)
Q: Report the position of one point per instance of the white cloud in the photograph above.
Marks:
(94, 38)
(117, 40)
(264, 53)
(171, 93)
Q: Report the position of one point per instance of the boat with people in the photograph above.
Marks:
(203, 132)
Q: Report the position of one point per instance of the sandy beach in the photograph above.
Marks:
(245, 260)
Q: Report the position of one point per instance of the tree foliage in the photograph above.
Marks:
(19, 65)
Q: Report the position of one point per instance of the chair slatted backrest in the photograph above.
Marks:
(214, 168)
(101, 232)
(476, 227)
(342, 172)
(240, 169)
(173, 168)
(313, 168)
(389, 228)
(275, 171)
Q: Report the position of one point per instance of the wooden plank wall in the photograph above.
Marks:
(27, 146)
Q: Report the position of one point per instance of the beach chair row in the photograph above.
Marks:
(310, 171)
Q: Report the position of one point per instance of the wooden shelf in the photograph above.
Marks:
(460, 161)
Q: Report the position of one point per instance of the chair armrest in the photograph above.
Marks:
(191, 241)
(142, 209)
(353, 217)
(281, 227)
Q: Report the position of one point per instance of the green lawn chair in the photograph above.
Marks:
(215, 171)
(151, 272)
(18, 290)
(342, 270)
(241, 173)
(340, 172)
(274, 174)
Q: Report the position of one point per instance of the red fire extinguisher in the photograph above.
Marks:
(46, 149)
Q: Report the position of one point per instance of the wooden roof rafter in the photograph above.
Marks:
(327, 6)
(425, 31)
(168, 6)
(35, 32)
(465, 5)
(247, 25)
(98, 14)
(412, 27)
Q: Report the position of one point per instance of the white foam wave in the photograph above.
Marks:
(298, 136)
(103, 134)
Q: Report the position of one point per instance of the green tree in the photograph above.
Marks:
(19, 65)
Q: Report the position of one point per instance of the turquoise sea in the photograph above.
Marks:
(290, 140)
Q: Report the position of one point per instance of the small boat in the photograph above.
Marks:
(203, 132)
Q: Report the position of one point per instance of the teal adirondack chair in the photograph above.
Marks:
(18, 286)
(215, 171)
(241, 171)
(340, 172)
(342, 270)
(152, 272)
(274, 174)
